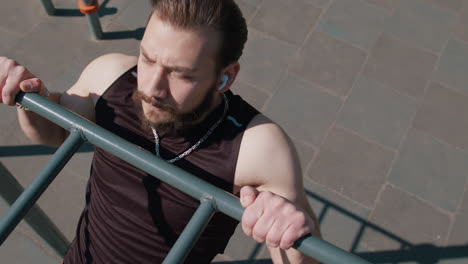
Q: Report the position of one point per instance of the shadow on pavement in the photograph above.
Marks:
(35, 150)
(127, 34)
(69, 12)
(10, 189)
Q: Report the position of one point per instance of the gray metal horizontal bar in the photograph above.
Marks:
(186, 182)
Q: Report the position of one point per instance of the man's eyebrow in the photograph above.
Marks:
(171, 67)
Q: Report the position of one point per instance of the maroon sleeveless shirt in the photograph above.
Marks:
(130, 216)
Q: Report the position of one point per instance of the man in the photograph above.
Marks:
(174, 101)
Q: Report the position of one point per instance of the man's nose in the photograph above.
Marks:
(158, 84)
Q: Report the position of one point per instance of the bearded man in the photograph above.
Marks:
(174, 100)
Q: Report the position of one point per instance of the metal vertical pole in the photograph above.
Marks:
(191, 233)
(49, 7)
(29, 197)
(93, 18)
(10, 190)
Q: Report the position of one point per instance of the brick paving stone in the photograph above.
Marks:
(408, 218)
(9, 116)
(265, 60)
(337, 227)
(278, 17)
(458, 237)
(377, 112)
(134, 16)
(65, 194)
(311, 114)
(453, 66)
(46, 51)
(320, 3)
(422, 24)
(256, 97)
(462, 27)
(63, 201)
(248, 9)
(305, 153)
(352, 166)
(354, 21)
(254, 2)
(92, 49)
(443, 115)
(452, 5)
(9, 39)
(459, 233)
(20, 18)
(398, 65)
(241, 247)
(432, 170)
(65, 80)
(328, 62)
(80, 165)
(20, 249)
(389, 5)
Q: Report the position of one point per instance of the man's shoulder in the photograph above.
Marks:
(266, 153)
(104, 70)
(94, 81)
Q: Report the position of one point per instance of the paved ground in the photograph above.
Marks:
(374, 94)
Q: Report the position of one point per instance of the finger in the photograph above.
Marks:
(293, 233)
(275, 233)
(250, 217)
(288, 238)
(262, 227)
(248, 195)
(11, 87)
(10, 90)
(3, 78)
(33, 85)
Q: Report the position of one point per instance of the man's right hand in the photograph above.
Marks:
(15, 78)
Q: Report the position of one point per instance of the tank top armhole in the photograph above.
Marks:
(116, 81)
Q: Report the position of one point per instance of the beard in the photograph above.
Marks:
(169, 118)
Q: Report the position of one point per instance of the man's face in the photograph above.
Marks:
(176, 73)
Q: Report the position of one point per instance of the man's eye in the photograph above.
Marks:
(145, 60)
(184, 76)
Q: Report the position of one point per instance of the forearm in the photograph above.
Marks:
(292, 256)
(39, 129)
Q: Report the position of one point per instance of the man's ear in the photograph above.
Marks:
(230, 71)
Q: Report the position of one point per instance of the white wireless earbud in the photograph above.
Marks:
(225, 80)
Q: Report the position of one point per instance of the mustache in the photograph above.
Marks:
(154, 101)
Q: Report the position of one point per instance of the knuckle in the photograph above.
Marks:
(289, 209)
(286, 244)
(258, 236)
(265, 195)
(300, 219)
(9, 63)
(272, 242)
(21, 69)
(256, 233)
(248, 220)
(277, 202)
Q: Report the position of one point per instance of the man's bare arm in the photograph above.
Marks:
(269, 162)
(96, 77)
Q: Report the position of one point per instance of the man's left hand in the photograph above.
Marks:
(273, 219)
